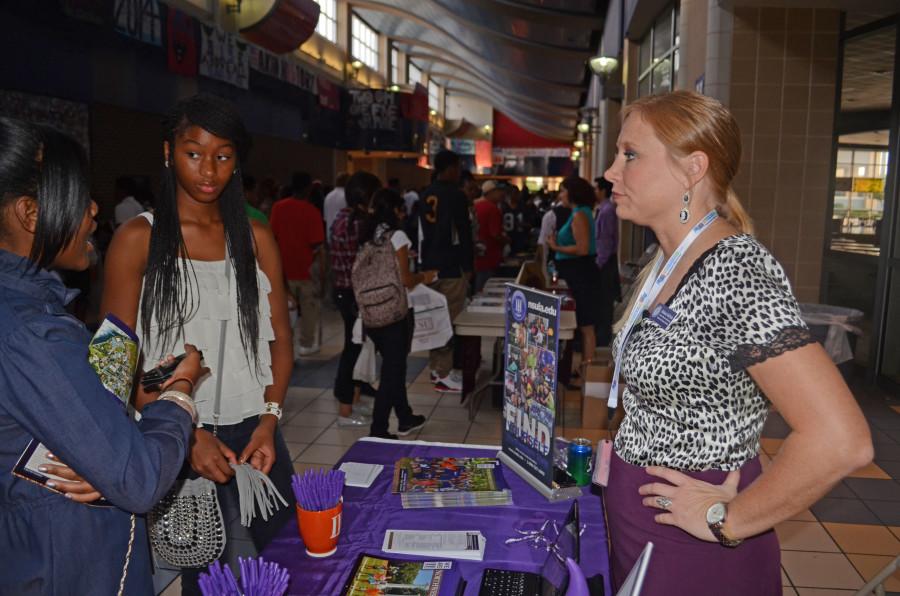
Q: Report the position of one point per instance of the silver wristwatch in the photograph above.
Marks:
(715, 519)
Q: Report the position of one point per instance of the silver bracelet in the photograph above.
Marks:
(183, 400)
(272, 408)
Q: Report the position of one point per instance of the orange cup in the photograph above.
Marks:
(320, 529)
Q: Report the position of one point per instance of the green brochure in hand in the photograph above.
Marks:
(113, 353)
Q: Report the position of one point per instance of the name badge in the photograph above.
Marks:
(663, 316)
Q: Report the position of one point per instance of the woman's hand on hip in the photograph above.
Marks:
(260, 451)
(685, 500)
(210, 457)
(74, 487)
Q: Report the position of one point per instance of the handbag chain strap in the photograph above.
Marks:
(121, 591)
(223, 328)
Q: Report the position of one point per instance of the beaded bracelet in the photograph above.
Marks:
(272, 408)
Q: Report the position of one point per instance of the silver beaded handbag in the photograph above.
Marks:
(186, 527)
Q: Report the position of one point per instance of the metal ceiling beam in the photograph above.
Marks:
(535, 127)
(410, 42)
(564, 52)
(485, 81)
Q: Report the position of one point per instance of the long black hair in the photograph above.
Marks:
(382, 212)
(360, 188)
(51, 167)
(168, 287)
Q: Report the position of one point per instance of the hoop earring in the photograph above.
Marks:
(167, 163)
(684, 215)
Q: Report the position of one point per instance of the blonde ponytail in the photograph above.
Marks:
(635, 290)
(734, 212)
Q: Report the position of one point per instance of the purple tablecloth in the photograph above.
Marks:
(369, 512)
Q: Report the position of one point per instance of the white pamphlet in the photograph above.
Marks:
(361, 475)
(468, 544)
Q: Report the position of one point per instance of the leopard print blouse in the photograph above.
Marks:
(689, 402)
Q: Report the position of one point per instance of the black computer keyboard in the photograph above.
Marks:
(500, 582)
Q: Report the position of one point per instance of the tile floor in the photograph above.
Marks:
(833, 548)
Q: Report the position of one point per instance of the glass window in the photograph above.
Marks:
(658, 56)
(858, 205)
(413, 73)
(434, 96)
(327, 25)
(395, 65)
(363, 42)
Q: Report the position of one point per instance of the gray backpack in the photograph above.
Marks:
(379, 291)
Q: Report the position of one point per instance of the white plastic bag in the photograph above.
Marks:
(366, 369)
(433, 326)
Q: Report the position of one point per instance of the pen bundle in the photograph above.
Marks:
(258, 578)
(318, 490)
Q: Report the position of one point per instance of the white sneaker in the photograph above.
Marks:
(313, 349)
(449, 384)
(355, 419)
(362, 407)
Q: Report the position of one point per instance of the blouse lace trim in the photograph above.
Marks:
(789, 338)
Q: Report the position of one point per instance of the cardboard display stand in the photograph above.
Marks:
(530, 398)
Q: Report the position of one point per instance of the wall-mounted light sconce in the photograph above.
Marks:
(432, 112)
(487, 128)
(584, 127)
(578, 144)
(576, 154)
(603, 65)
(394, 88)
(574, 157)
(354, 68)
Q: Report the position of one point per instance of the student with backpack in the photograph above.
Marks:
(381, 281)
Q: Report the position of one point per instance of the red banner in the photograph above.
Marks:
(182, 43)
(329, 95)
(414, 106)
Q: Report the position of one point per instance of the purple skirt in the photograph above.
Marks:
(682, 564)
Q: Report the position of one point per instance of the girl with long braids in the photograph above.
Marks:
(199, 260)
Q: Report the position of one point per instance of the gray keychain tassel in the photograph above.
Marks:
(255, 491)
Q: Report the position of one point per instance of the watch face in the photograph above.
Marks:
(715, 514)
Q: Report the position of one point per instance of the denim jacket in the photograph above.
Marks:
(50, 545)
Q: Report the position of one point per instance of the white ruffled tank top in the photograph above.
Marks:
(215, 300)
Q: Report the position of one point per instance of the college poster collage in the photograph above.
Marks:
(530, 371)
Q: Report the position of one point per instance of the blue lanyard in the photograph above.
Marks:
(650, 290)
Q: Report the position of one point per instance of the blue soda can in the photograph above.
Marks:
(581, 461)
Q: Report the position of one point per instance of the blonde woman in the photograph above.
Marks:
(713, 339)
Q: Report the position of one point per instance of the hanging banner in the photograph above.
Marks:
(223, 57)
(265, 62)
(139, 19)
(91, 11)
(374, 109)
(463, 146)
(298, 76)
(504, 152)
(531, 363)
(282, 69)
(181, 43)
(329, 95)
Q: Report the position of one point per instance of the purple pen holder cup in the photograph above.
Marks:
(320, 529)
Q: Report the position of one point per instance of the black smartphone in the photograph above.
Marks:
(155, 377)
